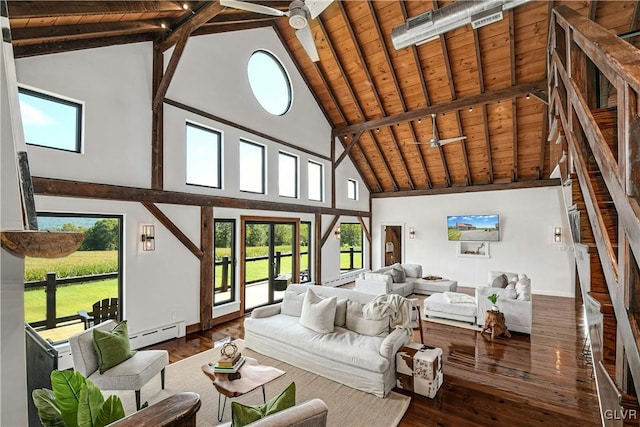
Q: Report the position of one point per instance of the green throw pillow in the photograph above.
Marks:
(112, 346)
(241, 415)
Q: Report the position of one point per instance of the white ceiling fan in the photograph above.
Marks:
(299, 13)
(437, 142)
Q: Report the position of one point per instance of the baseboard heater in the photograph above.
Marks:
(156, 335)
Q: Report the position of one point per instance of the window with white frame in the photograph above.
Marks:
(252, 167)
(287, 175)
(49, 121)
(352, 189)
(204, 164)
(315, 181)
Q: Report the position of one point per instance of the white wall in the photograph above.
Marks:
(527, 218)
(345, 171)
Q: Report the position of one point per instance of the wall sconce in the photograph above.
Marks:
(336, 233)
(557, 234)
(412, 233)
(148, 238)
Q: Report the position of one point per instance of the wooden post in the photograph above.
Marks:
(278, 262)
(225, 274)
(51, 300)
(206, 267)
(350, 257)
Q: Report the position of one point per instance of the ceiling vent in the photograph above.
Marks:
(431, 24)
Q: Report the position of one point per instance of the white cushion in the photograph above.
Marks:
(318, 314)
(412, 270)
(397, 274)
(357, 323)
(523, 289)
(379, 277)
(341, 312)
(292, 303)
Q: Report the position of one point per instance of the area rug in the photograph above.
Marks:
(456, 323)
(347, 406)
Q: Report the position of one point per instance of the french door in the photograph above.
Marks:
(270, 259)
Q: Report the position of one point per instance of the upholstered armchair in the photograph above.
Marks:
(131, 374)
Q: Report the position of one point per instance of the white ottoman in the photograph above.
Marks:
(419, 369)
(428, 287)
(436, 305)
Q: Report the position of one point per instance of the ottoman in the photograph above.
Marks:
(419, 369)
(436, 305)
(428, 287)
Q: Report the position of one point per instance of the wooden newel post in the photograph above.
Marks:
(51, 300)
(225, 274)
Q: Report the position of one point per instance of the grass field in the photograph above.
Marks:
(69, 298)
(454, 234)
(81, 263)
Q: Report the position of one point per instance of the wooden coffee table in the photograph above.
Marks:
(252, 376)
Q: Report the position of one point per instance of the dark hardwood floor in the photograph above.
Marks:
(542, 379)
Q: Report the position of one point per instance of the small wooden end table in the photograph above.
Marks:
(494, 324)
(252, 376)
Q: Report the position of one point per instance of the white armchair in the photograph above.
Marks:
(516, 308)
(131, 374)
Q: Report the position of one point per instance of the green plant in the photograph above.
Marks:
(493, 298)
(75, 401)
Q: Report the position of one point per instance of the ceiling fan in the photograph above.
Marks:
(435, 141)
(299, 13)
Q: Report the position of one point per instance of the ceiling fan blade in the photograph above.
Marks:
(306, 40)
(253, 7)
(446, 141)
(316, 7)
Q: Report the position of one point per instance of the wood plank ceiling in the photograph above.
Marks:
(378, 100)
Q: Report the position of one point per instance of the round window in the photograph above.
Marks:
(269, 82)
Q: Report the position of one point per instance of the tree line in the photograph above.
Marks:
(102, 236)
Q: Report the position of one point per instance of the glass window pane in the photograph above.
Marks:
(305, 252)
(288, 175)
(269, 82)
(251, 167)
(203, 156)
(49, 121)
(224, 283)
(315, 181)
(350, 246)
(352, 189)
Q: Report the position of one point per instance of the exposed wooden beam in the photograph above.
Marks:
(88, 190)
(206, 267)
(512, 47)
(469, 188)
(543, 139)
(62, 33)
(242, 128)
(197, 18)
(173, 228)
(68, 46)
(425, 93)
(157, 125)
(333, 169)
(345, 76)
(241, 17)
(161, 89)
(329, 230)
(31, 9)
(487, 138)
(514, 126)
(593, 10)
(460, 103)
(636, 17)
(226, 27)
(364, 229)
(348, 148)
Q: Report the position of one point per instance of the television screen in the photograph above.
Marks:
(474, 228)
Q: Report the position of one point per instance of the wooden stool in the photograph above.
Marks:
(494, 323)
(415, 308)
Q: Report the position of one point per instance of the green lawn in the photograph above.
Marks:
(69, 298)
(345, 262)
(454, 234)
(81, 263)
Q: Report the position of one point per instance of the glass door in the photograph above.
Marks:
(270, 261)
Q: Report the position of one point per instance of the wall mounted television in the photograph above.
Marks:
(474, 228)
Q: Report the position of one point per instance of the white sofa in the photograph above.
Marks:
(363, 362)
(517, 312)
(380, 282)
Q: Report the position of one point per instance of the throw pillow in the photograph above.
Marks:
(341, 313)
(292, 304)
(412, 270)
(397, 274)
(500, 281)
(523, 288)
(241, 415)
(357, 323)
(112, 346)
(318, 314)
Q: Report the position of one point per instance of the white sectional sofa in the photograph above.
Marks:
(514, 302)
(380, 282)
(360, 361)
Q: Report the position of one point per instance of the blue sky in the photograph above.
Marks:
(480, 221)
(48, 123)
